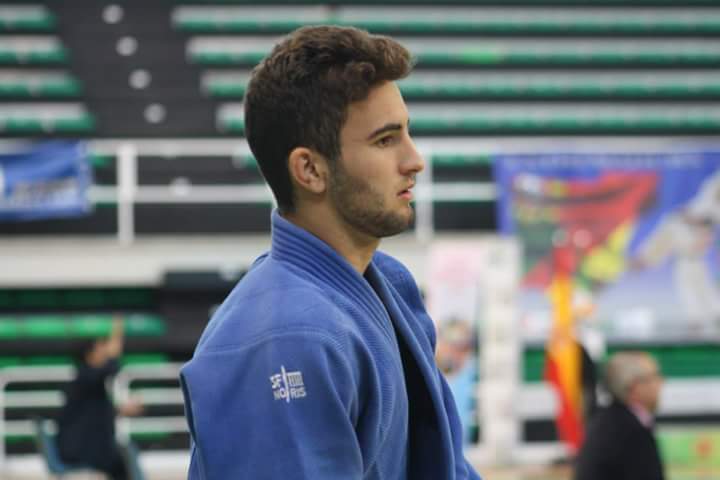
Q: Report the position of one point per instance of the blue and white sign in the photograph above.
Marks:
(48, 181)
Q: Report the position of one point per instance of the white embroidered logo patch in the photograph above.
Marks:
(288, 385)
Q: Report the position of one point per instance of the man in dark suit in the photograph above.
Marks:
(620, 442)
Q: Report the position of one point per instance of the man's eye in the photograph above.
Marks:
(385, 141)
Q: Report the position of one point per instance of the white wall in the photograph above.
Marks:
(77, 261)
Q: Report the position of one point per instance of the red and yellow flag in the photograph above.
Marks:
(563, 364)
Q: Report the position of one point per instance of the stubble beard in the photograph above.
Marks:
(363, 207)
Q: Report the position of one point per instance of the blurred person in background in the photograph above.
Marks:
(86, 424)
(456, 357)
(455, 341)
(620, 442)
(320, 363)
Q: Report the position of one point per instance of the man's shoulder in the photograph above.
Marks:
(614, 419)
(272, 299)
(268, 276)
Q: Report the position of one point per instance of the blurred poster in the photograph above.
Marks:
(644, 231)
(46, 181)
(469, 285)
(453, 302)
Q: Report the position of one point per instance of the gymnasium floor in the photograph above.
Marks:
(543, 473)
(168, 472)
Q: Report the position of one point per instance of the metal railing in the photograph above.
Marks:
(121, 392)
(128, 192)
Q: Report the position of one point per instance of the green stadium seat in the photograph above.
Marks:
(521, 85)
(101, 161)
(83, 298)
(225, 84)
(44, 118)
(67, 360)
(31, 85)
(25, 17)
(228, 50)
(36, 298)
(5, 299)
(9, 361)
(145, 325)
(561, 85)
(449, 19)
(47, 360)
(9, 328)
(247, 19)
(18, 50)
(136, 325)
(44, 326)
(78, 326)
(460, 160)
(74, 298)
(567, 52)
(515, 52)
(510, 118)
(90, 325)
(154, 437)
(130, 297)
(144, 359)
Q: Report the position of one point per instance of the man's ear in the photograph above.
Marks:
(308, 170)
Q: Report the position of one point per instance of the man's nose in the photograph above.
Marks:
(414, 162)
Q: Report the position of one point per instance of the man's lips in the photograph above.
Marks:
(407, 193)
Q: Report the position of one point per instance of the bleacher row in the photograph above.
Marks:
(602, 70)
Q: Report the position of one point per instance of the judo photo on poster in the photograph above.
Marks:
(644, 233)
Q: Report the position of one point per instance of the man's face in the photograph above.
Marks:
(98, 355)
(647, 389)
(370, 184)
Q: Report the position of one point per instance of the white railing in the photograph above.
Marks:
(121, 391)
(24, 375)
(128, 192)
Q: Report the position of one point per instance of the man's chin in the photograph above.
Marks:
(400, 224)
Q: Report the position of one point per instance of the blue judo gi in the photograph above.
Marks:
(310, 370)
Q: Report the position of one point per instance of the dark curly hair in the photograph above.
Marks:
(299, 94)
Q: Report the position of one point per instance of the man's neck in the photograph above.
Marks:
(356, 248)
(643, 414)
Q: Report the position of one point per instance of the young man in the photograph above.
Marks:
(620, 443)
(319, 365)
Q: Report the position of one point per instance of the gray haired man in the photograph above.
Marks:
(620, 442)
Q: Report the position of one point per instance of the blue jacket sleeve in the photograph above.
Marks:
(283, 406)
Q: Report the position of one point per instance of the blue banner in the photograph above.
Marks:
(643, 229)
(49, 181)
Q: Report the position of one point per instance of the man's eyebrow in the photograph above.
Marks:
(388, 127)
